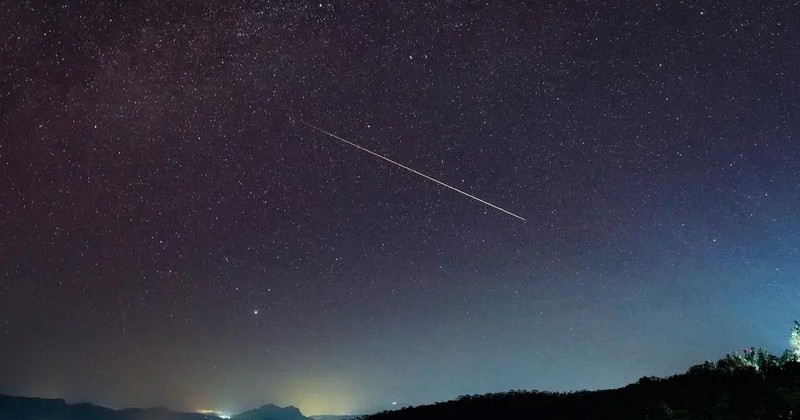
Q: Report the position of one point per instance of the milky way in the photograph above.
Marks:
(169, 237)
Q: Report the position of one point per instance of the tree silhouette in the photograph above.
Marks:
(751, 384)
(794, 341)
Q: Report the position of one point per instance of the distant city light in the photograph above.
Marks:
(215, 413)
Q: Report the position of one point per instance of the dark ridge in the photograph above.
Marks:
(272, 412)
(753, 385)
(24, 408)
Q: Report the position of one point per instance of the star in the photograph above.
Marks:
(161, 177)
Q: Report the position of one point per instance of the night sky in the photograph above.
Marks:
(171, 234)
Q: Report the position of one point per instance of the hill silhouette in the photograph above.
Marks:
(24, 408)
(749, 385)
(271, 412)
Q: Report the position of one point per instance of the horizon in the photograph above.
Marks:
(337, 206)
(388, 406)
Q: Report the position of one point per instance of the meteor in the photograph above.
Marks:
(412, 170)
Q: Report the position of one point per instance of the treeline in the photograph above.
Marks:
(747, 385)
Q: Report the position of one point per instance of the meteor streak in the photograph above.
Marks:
(413, 171)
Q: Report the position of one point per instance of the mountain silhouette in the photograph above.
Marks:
(742, 386)
(271, 412)
(24, 408)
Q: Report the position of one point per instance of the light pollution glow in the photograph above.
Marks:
(322, 398)
(215, 413)
(321, 395)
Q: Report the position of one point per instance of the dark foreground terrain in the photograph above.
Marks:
(749, 385)
(22, 408)
(752, 385)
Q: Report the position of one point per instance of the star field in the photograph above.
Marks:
(172, 235)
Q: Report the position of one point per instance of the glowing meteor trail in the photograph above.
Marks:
(413, 171)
